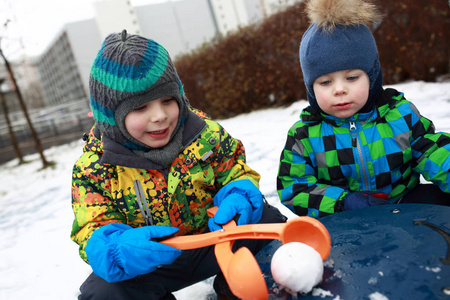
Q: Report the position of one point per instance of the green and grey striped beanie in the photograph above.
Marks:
(130, 70)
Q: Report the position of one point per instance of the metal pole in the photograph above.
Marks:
(10, 130)
(214, 19)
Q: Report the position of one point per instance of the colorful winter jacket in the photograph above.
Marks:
(385, 150)
(111, 184)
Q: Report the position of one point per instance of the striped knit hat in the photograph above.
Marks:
(130, 70)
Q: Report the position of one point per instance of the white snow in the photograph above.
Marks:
(297, 267)
(318, 292)
(435, 269)
(38, 259)
(377, 296)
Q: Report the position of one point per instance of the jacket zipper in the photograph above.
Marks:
(357, 144)
(142, 202)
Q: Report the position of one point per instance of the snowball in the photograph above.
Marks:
(297, 267)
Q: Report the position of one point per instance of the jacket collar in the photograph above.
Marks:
(385, 101)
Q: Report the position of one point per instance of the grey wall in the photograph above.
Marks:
(193, 27)
(85, 40)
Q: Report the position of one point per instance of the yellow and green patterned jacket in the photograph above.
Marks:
(111, 184)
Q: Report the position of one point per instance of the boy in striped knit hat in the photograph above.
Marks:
(357, 144)
(151, 167)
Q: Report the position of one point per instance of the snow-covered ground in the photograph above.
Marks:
(39, 261)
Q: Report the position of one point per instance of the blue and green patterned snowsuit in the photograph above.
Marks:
(385, 150)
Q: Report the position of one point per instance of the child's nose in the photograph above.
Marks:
(158, 113)
(340, 88)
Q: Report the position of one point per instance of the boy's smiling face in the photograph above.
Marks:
(342, 93)
(154, 122)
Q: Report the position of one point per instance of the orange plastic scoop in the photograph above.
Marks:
(305, 230)
(240, 269)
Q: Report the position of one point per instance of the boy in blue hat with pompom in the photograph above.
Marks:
(357, 144)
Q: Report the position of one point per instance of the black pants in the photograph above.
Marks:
(190, 267)
(426, 194)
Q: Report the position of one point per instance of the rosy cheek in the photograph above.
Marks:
(133, 123)
(138, 126)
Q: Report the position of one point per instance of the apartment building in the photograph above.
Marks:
(181, 26)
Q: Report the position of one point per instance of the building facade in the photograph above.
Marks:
(181, 26)
(58, 73)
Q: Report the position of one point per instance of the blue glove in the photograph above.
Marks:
(118, 252)
(360, 199)
(240, 197)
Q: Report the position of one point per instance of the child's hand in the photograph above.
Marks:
(238, 197)
(118, 252)
(363, 199)
(234, 204)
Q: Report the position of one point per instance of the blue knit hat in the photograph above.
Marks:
(338, 39)
(130, 70)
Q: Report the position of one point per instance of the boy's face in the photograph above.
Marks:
(153, 122)
(343, 93)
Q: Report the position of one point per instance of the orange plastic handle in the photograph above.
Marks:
(305, 230)
(241, 270)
